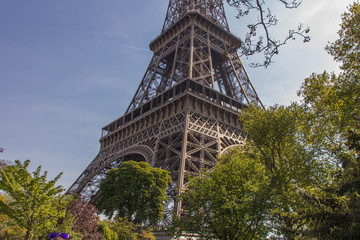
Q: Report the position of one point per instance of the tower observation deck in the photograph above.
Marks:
(185, 111)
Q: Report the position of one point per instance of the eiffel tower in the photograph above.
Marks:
(185, 111)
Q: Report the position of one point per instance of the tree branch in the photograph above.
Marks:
(259, 39)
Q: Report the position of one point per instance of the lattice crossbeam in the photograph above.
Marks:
(185, 110)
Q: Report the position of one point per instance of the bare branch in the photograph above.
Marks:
(258, 39)
(293, 4)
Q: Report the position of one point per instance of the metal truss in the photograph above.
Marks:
(192, 46)
(184, 115)
(190, 135)
(211, 9)
(141, 143)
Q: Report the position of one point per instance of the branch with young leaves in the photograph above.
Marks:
(259, 39)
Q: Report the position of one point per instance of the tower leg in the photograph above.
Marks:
(182, 163)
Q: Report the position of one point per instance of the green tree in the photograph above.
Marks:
(35, 202)
(333, 106)
(346, 49)
(8, 229)
(229, 203)
(257, 191)
(278, 134)
(135, 191)
(121, 228)
(107, 233)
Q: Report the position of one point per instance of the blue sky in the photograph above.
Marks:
(69, 67)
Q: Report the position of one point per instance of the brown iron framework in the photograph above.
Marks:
(185, 110)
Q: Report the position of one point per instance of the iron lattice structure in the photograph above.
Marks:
(185, 111)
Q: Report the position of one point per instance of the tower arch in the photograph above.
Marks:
(185, 111)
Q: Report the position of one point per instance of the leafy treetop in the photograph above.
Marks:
(36, 203)
(135, 191)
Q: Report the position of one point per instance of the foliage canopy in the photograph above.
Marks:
(36, 203)
(332, 105)
(135, 191)
(228, 203)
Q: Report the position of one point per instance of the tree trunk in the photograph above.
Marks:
(27, 237)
